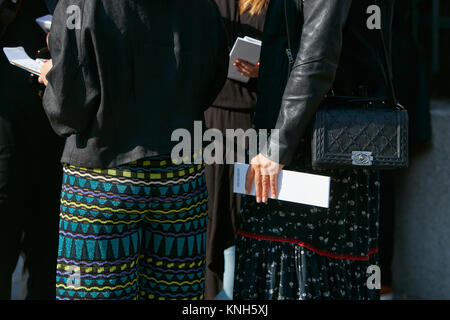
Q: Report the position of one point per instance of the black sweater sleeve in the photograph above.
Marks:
(73, 92)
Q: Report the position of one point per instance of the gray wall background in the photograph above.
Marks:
(421, 264)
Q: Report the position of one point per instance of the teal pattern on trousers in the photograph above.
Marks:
(134, 232)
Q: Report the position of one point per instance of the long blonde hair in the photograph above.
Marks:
(252, 6)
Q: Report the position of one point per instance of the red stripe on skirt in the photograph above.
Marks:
(308, 246)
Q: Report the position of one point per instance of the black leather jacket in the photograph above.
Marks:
(134, 72)
(333, 47)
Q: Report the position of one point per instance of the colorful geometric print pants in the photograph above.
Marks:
(134, 232)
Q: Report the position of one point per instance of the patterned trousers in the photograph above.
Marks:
(134, 232)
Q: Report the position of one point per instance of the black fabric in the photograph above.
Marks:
(319, 253)
(298, 252)
(412, 87)
(387, 225)
(223, 204)
(133, 73)
(30, 173)
(414, 93)
(334, 49)
(231, 110)
(238, 95)
(8, 13)
(51, 5)
(410, 74)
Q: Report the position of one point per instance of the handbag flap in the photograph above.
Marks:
(361, 136)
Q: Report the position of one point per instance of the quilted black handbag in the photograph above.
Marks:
(347, 134)
(359, 132)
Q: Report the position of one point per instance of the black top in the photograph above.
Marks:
(134, 72)
(25, 32)
(332, 47)
(238, 95)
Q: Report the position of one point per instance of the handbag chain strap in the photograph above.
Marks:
(388, 68)
(288, 34)
(385, 63)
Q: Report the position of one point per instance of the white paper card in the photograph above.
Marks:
(247, 49)
(45, 22)
(18, 57)
(303, 188)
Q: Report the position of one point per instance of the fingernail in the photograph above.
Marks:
(258, 200)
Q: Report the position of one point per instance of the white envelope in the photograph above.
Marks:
(297, 187)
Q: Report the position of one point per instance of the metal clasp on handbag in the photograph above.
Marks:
(362, 158)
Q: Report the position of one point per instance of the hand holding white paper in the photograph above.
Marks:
(18, 57)
(247, 49)
(297, 187)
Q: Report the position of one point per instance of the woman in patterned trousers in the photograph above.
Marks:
(135, 232)
(123, 78)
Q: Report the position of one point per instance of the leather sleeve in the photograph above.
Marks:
(312, 74)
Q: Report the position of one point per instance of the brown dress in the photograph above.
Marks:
(233, 109)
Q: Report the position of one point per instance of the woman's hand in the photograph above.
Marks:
(46, 67)
(265, 172)
(247, 69)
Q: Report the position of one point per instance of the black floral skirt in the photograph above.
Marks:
(287, 251)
